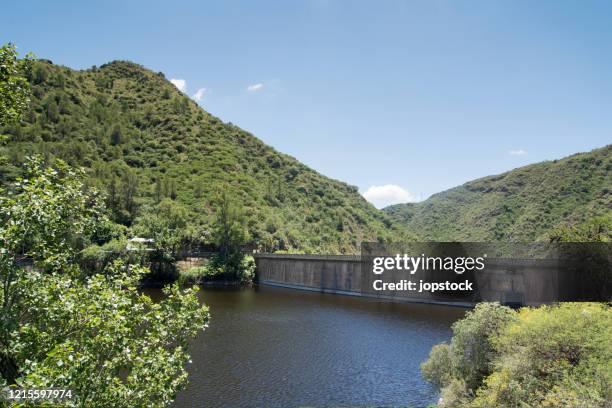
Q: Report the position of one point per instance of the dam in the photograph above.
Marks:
(514, 282)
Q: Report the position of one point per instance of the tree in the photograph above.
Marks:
(93, 334)
(129, 189)
(60, 80)
(52, 111)
(468, 358)
(14, 88)
(166, 224)
(39, 73)
(172, 190)
(115, 137)
(111, 195)
(158, 190)
(180, 104)
(229, 234)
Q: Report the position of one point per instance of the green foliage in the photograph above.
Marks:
(553, 356)
(598, 229)
(469, 356)
(65, 328)
(40, 73)
(437, 369)
(97, 257)
(247, 269)
(215, 269)
(14, 87)
(197, 275)
(167, 224)
(49, 217)
(521, 205)
(104, 340)
(229, 232)
(141, 140)
(549, 356)
(471, 347)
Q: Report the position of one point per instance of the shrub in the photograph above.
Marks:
(242, 270)
(549, 356)
(553, 356)
(471, 346)
(97, 257)
(196, 275)
(455, 394)
(247, 269)
(436, 369)
(470, 353)
(598, 229)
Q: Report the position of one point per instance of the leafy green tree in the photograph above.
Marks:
(115, 136)
(60, 80)
(229, 234)
(469, 356)
(93, 334)
(129, 191)
(167, 225)
(52, 111)
(40, 73)
(158, 190)
(14, 88)
(172, 190)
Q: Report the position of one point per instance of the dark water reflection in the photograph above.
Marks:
(272, 347)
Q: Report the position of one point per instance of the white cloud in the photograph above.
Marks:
(255, 87)
(199, 95)
(181, 84)
(519, 152)
(382, 196)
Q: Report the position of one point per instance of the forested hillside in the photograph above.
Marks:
(153, 150)
(521, 205)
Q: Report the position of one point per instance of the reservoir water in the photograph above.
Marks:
(275, 347)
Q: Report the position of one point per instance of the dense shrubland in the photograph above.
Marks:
(598, 229)
(161, 159)
(522, 205)
(551, 356)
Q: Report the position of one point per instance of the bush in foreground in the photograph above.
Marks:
(551, 356)
(90, 332)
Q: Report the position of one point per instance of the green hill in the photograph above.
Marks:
(144, 142)
(519, 205)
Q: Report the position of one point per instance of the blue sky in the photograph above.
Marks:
(423, 95)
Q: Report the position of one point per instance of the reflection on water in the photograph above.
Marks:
(272, 347)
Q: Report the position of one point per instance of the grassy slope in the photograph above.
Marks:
(129, 126)
(520, 205)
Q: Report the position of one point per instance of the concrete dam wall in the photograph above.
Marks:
(321, 273)
(509, 281)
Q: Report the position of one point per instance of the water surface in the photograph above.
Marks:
(274, 347)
